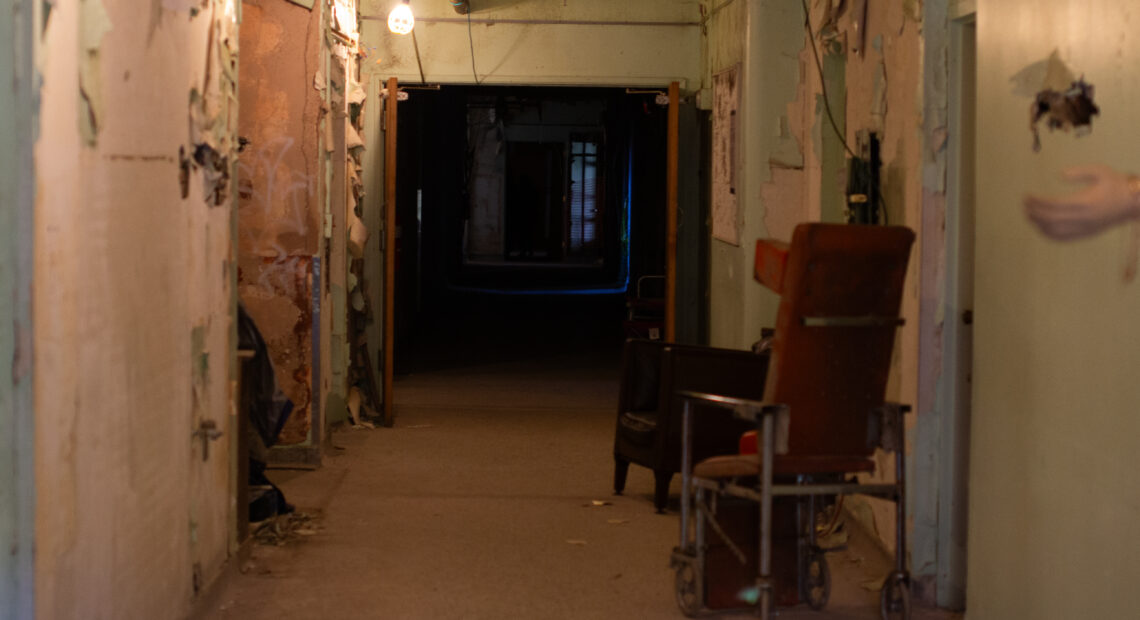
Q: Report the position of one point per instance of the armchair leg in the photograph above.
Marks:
(662, 479)
(621, 470)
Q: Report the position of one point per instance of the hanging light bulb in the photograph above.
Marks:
(401, 20)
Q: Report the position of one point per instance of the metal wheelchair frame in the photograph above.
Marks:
(688, 558)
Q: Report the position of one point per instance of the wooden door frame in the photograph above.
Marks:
(671, 213)
(954, 447)
(389, 413)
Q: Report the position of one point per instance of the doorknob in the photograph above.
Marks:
(968, 317)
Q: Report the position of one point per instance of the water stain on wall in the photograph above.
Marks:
(279, 211)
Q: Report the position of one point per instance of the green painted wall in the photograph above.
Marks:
(763, 37)
(17, 497)
(1054, 497)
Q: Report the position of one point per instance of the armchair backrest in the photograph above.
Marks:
(835, 333)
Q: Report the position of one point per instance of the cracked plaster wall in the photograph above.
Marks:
(132, 307)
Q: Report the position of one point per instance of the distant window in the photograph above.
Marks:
(584, 217)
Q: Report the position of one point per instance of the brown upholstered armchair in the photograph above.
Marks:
(649, 411)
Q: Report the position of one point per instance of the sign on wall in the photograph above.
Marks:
(725, 207)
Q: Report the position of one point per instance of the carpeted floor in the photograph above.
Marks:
(481, 503)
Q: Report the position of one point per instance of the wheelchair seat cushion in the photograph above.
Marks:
(728, 466)
(748, 465)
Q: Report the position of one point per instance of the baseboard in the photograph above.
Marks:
(204, 606)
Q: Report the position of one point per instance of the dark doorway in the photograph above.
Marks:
(534, 206)
(526, 215)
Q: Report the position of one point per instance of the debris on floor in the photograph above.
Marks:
(873, 585)
(355, 399)
(597, 504)
(284, 529)
(836, 538)
(575, 541)
(617, 521)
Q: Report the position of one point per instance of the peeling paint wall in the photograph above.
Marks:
(1053, 490)
(760, 37)
(280, 180)
(334, 151)
(17, 495)
(133, 304)
(792, 163)
(372, 203)
(884, 95)
(938, 460)
(516, 53)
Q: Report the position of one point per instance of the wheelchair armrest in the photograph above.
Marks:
(744, 408)
(751, 410)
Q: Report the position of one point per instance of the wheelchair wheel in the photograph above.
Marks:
(894, 600)
(817, 581)
(688, 589)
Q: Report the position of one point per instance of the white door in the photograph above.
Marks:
(958, 332)
(212, 431)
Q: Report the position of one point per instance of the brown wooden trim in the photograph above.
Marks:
(671, 215)
(389, 249)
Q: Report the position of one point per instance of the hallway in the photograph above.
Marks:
(479, 504)
(352, 185)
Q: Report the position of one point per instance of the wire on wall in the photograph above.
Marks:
(827, 100)
(822, 81)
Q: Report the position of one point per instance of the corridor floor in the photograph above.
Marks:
(480, 503)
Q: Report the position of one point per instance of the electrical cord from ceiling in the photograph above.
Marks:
(416, 44)
(471, 42)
